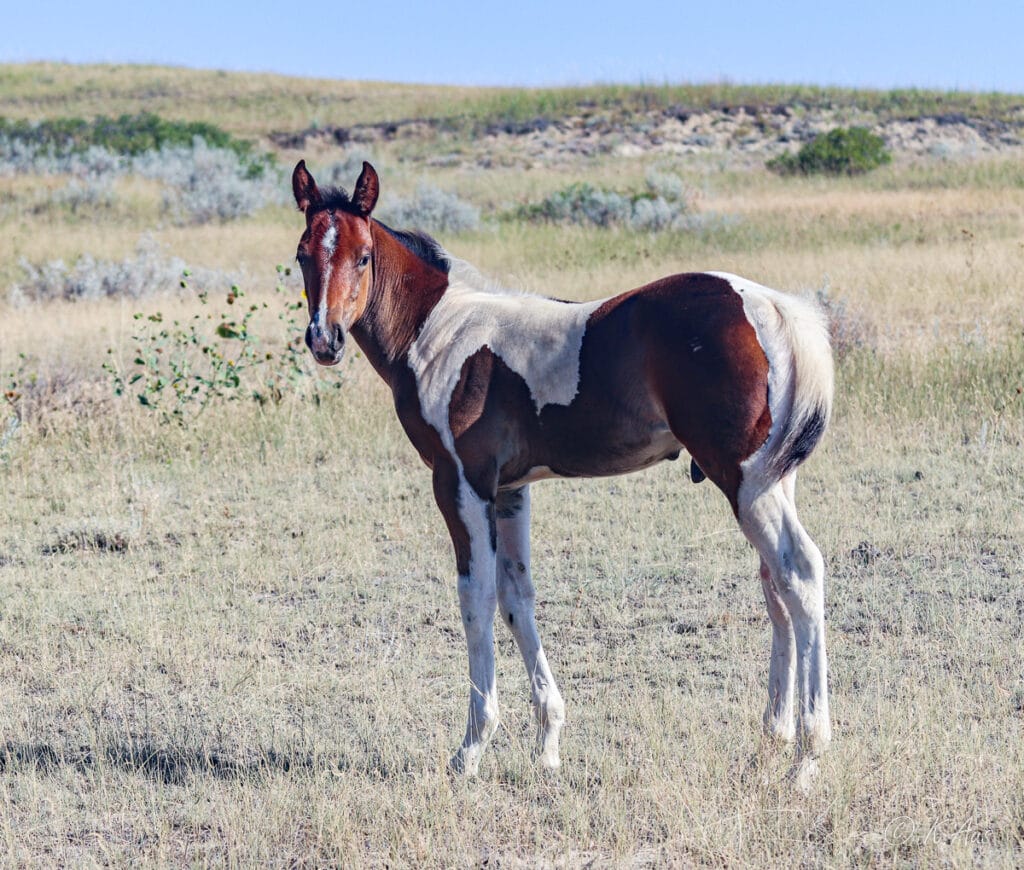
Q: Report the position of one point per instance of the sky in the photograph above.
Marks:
(862, 43)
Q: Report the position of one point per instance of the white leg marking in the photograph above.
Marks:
(797, 571)
(478, 601)
(779, 714)
(516, 602)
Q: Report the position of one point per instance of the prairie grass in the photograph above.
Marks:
(237, 642)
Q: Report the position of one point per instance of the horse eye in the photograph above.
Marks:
(365, 259)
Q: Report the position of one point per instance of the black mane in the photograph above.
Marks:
(423, 246)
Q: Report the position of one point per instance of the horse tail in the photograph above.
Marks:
(794, 335)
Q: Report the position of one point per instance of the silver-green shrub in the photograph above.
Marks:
(662, 206)
(201, 183)
(433, 210)
(343, 173)
(147, 273)
(205, 184)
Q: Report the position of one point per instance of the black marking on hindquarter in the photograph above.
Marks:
(509, 503)
(804, 443)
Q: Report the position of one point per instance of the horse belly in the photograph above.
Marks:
(608, 451)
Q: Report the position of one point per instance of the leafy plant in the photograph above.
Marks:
(842, 151)
(14, 384)
(182, 368)
(126, 135)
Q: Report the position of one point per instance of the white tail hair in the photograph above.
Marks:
(801, 378)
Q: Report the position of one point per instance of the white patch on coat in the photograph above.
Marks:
(537, 338)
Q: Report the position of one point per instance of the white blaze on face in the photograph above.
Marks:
(328, 243)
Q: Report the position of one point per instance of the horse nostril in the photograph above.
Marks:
(312, 333)
(339, 335)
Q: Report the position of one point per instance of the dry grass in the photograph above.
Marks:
(252, 104)
(238, 643)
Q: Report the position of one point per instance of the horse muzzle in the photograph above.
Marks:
(326, 345)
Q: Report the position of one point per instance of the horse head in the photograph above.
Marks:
(335, 254)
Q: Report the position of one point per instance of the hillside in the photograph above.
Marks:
(262, 104)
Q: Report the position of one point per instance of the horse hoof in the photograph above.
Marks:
(549, 761)
(804, 773)
(465, 762)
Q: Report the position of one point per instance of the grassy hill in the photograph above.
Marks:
(259, 103)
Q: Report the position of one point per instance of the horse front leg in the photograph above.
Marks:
(471, 524)
(516, 599)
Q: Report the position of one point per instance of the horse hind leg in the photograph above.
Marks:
(516, 599)
(779, 713)
(796, 573)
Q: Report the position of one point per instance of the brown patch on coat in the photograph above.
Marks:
(705, 363)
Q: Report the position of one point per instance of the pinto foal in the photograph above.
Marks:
(497, 390)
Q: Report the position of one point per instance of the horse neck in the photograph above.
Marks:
(403, 291)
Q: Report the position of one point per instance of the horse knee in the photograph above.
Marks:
(802, 575)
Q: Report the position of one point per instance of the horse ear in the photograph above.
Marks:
(304, 187)
(367, 190)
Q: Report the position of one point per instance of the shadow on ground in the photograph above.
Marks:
(165, 765)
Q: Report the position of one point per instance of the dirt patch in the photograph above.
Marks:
(86, 540)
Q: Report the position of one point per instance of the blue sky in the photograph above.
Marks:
(870, 43)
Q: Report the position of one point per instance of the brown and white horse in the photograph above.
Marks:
(497, 390)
